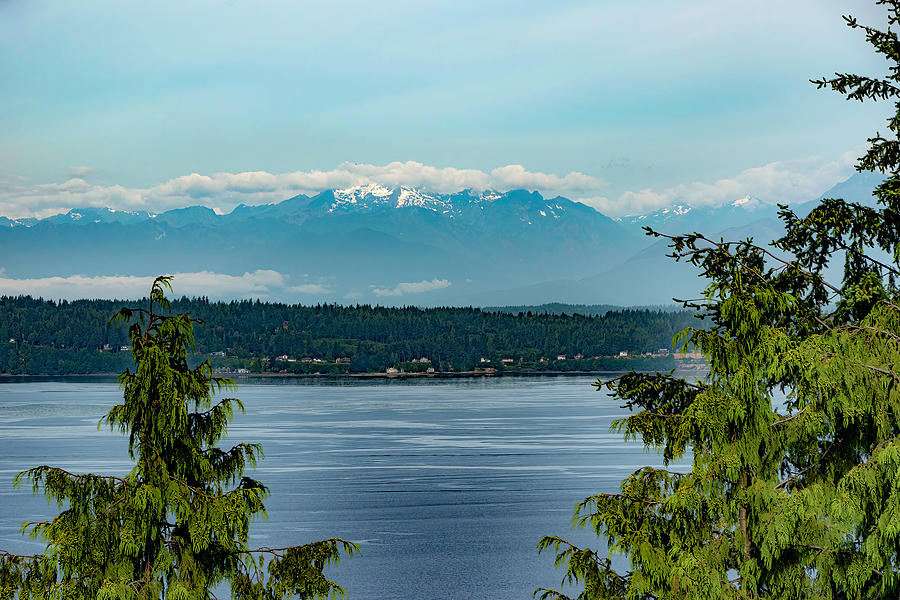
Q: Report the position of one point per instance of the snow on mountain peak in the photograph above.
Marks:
(413, 197)
(747, 201)
(373, 194)
(353, 194)
(676, 210)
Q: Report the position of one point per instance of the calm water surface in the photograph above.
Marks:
(446, 485)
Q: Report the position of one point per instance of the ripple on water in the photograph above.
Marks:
(448, 485)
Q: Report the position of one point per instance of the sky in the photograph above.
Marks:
(626, 106)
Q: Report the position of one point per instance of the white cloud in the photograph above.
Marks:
(515, 176)
(784, 181)
(80, 171)
(260, 283)
(412, 288)
(224, 191)
(801, 179)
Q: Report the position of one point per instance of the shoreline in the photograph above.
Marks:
(379, 375)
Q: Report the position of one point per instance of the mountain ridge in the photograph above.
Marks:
(372, 243)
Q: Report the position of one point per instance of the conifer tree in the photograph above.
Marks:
(177, 525)
(770, 498)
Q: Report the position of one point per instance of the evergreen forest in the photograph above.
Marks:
(76, 337)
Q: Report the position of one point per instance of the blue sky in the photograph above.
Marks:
(624, 105)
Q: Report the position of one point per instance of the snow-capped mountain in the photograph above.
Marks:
(376, 203)
(657, 216)
(682, 218)
(372, 243)
(348, 241)
(27, 222)
(84, 216)
(372, 196)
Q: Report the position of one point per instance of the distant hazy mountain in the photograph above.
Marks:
(402, 246)
(858, 188)
(192, 215)
(650, 277)
(354, 244)
(90, 216)
(680, 218)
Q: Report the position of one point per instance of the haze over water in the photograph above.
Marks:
(446, 485)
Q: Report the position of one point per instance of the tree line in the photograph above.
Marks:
(40, 336)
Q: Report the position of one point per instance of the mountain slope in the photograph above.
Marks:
(400, 246)
(365, 243)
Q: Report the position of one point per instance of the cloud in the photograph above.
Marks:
(260, 283)
(418, 287)
(784, 181)
(515, 176)
(223, 191)
(80, 171)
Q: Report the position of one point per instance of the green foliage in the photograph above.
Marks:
(786, 456)
(178, 524)
(60, 338)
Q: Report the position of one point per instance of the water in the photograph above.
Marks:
(447, 486)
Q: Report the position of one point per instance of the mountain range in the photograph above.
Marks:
(398, 246)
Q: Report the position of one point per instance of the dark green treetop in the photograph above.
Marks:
(782, 465)
(178, 524)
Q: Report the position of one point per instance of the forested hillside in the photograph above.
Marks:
(560, 308)
(40, 336)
